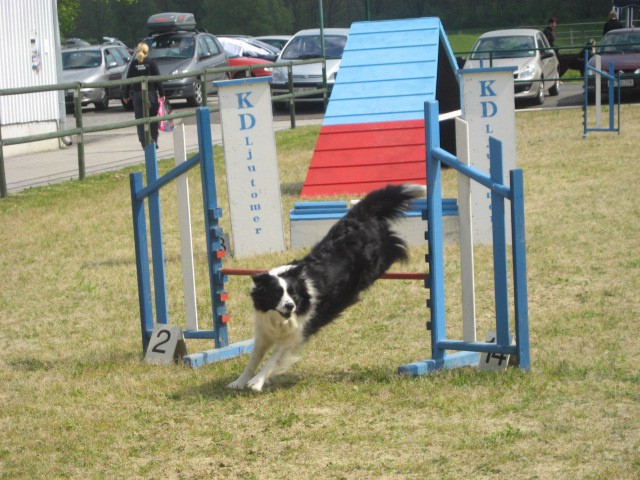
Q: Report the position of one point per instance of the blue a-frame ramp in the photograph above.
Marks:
(373, 130)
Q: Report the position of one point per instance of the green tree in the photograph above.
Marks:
(250, 17)
(126, 19)
(67, 12)
(93, 19)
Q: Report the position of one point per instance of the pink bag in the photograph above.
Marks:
(163, 110)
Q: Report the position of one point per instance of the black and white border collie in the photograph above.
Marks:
(294, 301)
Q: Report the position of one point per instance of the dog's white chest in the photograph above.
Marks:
(276, 327)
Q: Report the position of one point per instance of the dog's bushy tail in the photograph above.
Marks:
(389, 202)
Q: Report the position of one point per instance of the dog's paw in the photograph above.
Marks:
(256, 384)
(239, 384)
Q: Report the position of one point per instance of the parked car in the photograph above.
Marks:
(242, 53)
(97, 63)
(115, 41)
(237, 46)
(622, 48)
(254, 41)
(278, 41)
(303, 46)
(529, 52)
(264, 71)
(178, 47)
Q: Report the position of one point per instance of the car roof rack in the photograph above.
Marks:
(171, 21)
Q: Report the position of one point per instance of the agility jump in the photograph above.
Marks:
(614, 92)
(434, 280)
(467, 350)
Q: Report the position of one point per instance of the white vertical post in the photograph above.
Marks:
(466, 235)
(184, 218)
(598, 92)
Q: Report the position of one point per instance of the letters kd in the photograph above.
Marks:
(247, 120)
(489, 108)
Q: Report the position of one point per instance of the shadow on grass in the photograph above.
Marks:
(356, 377)
(218, 390)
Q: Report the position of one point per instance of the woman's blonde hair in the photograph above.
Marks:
(142, 51)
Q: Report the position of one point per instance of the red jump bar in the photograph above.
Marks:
(386, 276)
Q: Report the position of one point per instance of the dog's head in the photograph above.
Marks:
(271, 292)
(283, 292)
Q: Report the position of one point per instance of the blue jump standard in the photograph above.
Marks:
(212, 214)
(468, 352)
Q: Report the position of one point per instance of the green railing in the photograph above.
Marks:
(80, 130)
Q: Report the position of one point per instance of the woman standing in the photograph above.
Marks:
(143, 66)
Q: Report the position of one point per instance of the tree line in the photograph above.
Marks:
(126, 19)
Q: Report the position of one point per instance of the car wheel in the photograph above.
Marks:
(539, 100)
(103, 104)
(196, 99)
(555, 89)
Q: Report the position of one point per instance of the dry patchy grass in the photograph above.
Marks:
(77, 402)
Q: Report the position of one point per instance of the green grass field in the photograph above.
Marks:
(78, 402)
(461, 42)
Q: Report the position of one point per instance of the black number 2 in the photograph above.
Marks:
(158, 350)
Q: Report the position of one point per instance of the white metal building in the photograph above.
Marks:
(30, 56)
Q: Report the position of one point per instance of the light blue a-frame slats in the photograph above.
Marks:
(389, 69)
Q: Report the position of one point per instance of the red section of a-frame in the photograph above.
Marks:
(356, 159)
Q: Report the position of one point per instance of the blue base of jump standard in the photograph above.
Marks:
(455, 360)
(199, 359)
(157, 299)
(468, 352)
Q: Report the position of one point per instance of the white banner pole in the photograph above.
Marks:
(184, 218)
(466, 235)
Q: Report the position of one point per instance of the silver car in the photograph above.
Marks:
(97, 63)
(303, 46)
(181, 51)
(528, 51)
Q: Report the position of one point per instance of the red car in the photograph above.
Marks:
(622, 48)
(256, 72)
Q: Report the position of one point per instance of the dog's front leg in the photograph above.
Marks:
(257, 382)
(260, 347)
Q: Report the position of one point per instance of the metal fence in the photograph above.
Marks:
(80, 130)
(568, 35)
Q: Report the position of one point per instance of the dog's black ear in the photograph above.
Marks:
(260, 279)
